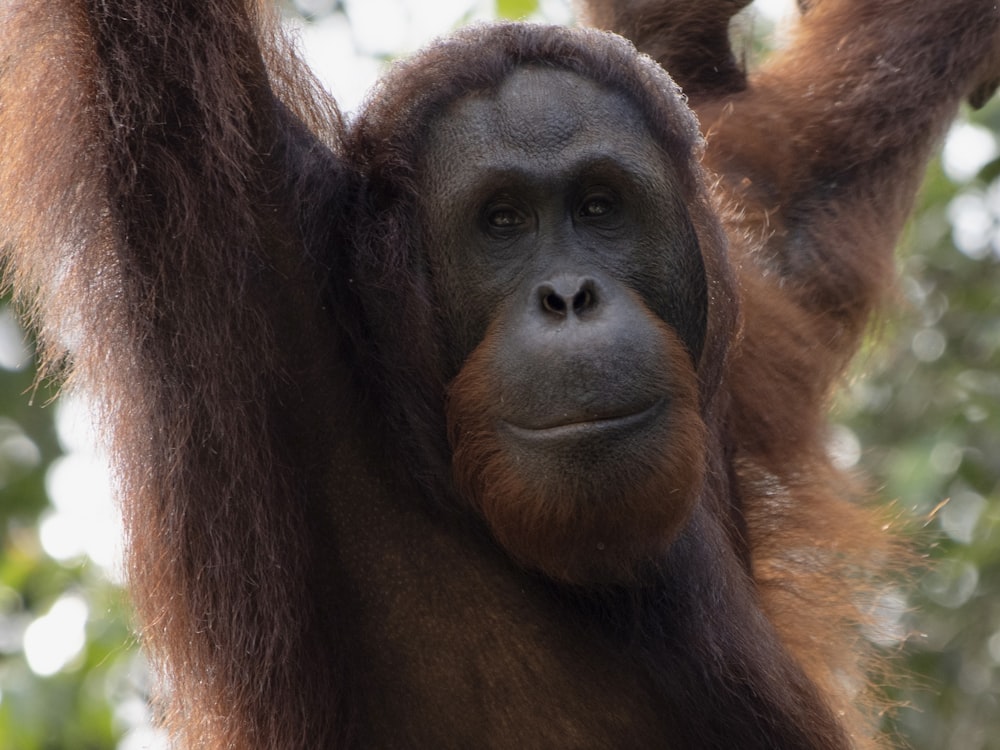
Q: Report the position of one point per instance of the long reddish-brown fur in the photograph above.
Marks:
(188, 224)
(179, 343)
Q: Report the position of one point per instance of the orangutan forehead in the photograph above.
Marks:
(540, 110)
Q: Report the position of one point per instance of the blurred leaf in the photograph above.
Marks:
(991, 171)
(516, 9)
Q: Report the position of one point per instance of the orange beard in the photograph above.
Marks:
(590, 511)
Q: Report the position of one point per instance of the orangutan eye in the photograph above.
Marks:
(504, 217)
(595, 207)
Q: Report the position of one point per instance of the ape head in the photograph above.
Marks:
(560, 292)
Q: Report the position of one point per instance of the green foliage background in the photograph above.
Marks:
(924, 403)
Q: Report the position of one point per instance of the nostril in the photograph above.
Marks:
(584, 299)
(567, 295)
(554, 303)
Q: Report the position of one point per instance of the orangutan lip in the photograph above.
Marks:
(625, 423)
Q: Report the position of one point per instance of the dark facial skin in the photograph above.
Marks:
(555, 179)
(573, 297)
